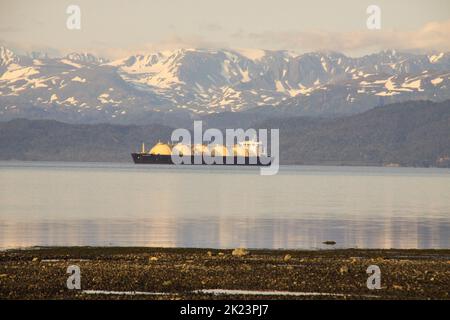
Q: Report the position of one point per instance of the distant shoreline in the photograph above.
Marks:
(180, 273)
(324, 164)
(409, 134)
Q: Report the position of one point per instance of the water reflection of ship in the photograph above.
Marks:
(245, 153)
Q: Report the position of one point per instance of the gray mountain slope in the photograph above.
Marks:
(191, 83)
(409, 134)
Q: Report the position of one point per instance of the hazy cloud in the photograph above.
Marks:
(8, 29)
(20, 48)
(432, 36)
(211, 27)
(169, 43)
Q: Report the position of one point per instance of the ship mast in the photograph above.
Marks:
(142, 147)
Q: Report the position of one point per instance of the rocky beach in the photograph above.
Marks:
(166, 273)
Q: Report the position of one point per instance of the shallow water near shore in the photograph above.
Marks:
(100, 204)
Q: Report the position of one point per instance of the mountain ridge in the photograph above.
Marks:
(83, 88)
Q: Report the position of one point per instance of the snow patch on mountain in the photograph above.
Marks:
(436, 57)
(7, 57)
(437, 81)
(78, 79)
(416, 84)
(71, 63)
(13, 74)
(252, 54)
(201, 81)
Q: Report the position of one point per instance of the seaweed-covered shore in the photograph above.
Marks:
(165, 273)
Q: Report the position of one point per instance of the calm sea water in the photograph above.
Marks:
(77, 204)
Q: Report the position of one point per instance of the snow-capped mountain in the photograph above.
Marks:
(7, 57)
(83, 87)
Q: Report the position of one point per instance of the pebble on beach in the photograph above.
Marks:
(287, 257)
(240, 252)
(343, 270)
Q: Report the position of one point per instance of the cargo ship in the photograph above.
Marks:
(246, 153)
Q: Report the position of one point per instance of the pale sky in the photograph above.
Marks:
(115, 28)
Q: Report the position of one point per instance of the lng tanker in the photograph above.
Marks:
(246, 153)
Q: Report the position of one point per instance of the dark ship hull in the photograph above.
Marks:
(144, 158)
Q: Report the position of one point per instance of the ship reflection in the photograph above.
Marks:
(229, 232)
(301, 207)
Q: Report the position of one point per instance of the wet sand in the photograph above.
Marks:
(162, 273)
